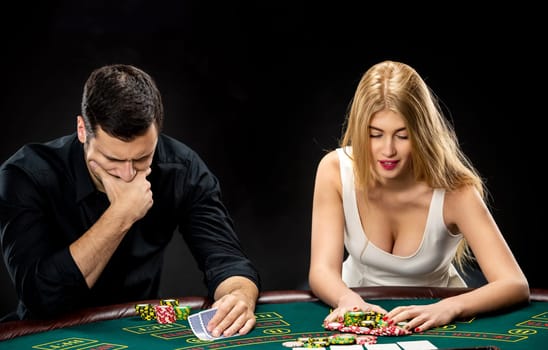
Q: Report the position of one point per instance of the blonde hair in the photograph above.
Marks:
(437, 158)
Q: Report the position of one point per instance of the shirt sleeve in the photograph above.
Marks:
(45, 276)
(209, 231)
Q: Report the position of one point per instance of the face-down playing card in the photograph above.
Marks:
(198, 323)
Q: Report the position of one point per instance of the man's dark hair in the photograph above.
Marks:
(123, 100)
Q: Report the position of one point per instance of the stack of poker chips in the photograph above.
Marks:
(146, 311)
(182, 312)
(165, 314)
(364, 319)
(168, 311)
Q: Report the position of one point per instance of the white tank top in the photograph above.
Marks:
(368, 265)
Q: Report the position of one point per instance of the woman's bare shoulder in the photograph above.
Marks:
(463, 195)
(330, 160)
(462, 203)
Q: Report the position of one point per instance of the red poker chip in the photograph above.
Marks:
(165, 314)
(366, 339)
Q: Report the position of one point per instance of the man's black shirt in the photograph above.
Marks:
(48, 200)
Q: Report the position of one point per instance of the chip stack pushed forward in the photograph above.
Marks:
(363, 319)
(146, 311)
(165, 314)
(352, 318)
(373, 316)
(368, 323)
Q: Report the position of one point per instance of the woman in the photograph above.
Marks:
(407, 205)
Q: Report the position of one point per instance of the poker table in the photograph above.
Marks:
(282, 316)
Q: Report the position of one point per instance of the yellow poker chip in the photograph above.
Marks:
(317, 342)
(172, 302)
(146, 311)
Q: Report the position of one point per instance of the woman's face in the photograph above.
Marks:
(390, 145)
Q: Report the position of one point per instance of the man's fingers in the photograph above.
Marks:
(97, 170)
(143, 173)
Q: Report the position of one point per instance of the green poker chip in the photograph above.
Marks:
(342, 339)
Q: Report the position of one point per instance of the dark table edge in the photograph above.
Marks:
(13, 329)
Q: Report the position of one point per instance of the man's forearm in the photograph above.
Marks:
(93, 250)
(238, 285)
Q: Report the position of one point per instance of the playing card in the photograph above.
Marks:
(390, 346)
(207, 315)
(198, 327)
(198, 323)
(417, 345)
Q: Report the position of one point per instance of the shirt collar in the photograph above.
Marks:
(82, 178)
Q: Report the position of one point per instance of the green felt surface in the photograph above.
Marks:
(524, 328)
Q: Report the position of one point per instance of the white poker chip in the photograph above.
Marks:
(333, 325)
(293, 344)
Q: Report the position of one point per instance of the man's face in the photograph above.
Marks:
(118, 158)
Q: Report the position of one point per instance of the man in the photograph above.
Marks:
(85, 219)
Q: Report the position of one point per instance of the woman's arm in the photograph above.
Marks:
(506, 282)
(327, 242)
(466, 212)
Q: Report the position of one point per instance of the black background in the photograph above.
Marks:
(260, 90)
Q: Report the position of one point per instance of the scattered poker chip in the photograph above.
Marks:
(293, 344)
(318, 339)
(334, 339)
(333, 326)
(343, 338)
(366, 339)
(316, 344)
